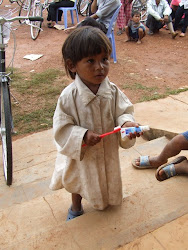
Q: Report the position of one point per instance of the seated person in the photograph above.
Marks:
(176, 167)
(103, 12)
(135, 30)
(158, 15)
(52, 10)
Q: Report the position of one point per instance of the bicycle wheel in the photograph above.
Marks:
(6, 132)
(36, 25)
(83, 7)
(140, 6)
(25, 9)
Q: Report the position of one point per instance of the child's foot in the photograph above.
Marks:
(182, 34)
(172, 169)
(144, 162)
(73, 214)
(128, 40)
(139, 41)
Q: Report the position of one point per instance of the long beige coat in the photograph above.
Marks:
(93, 172)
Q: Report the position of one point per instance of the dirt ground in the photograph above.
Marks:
(158, 64)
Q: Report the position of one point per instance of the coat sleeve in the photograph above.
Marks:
(67, 134)
(124, 113)
(167, 10)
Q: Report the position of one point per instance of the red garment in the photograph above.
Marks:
(124, 14)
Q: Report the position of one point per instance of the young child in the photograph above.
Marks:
(90, 106)
(135, 30)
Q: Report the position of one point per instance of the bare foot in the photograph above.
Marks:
(180, 168)
(139, 41)
(128, 40)
(154, 162)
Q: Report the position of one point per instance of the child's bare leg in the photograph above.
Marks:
(172, 148)
(127, 33)
(76, 202)
(141, 34)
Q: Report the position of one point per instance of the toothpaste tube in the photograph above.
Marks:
(128, 130)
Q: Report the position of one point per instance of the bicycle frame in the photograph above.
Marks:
(6, 114)
(5, 102)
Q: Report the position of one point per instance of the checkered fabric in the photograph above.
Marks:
(124, 14)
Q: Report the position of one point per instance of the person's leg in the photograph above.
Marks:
(121, 18)
(76, 208)
(171, 28)
(127, 31)
(173, 148)
(54, 6)
(76, 202)
(152, 24)
(185, 23)
(128, 10)
(178, 16)
(141, 34)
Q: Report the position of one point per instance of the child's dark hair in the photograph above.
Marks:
(135, 12)
(84, 42)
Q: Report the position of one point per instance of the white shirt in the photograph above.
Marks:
(159, 11)
(185, 3)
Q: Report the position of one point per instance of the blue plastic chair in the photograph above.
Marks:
(110, 33)
(64, 10)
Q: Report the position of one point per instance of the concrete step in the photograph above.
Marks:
(38, 221)
(34, 159)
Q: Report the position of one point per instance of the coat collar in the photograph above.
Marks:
(87, 95)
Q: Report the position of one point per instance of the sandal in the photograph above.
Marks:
(73, 214)
(50, 25)
(119, 32)
(169, 168)
(144, 162)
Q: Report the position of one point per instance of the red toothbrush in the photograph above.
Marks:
(116, 129)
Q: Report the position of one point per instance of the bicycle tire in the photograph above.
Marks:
(37, 11)
(25, 9)
(140, 6)
(6, 137)
(83, 7)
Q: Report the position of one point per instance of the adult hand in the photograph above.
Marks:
(132, 124)
(161, 20)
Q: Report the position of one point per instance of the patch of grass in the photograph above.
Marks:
(37, 94)
(138, 86)
(157, 96)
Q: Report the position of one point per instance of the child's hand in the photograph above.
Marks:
(91, 138)
(132, 124)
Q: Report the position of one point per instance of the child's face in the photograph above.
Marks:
(93, 69)
(136, 18)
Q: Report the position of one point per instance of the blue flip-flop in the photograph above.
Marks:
(169, 168)
(72, 214)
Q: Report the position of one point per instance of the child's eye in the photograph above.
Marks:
(105, 59)
(90, 61)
